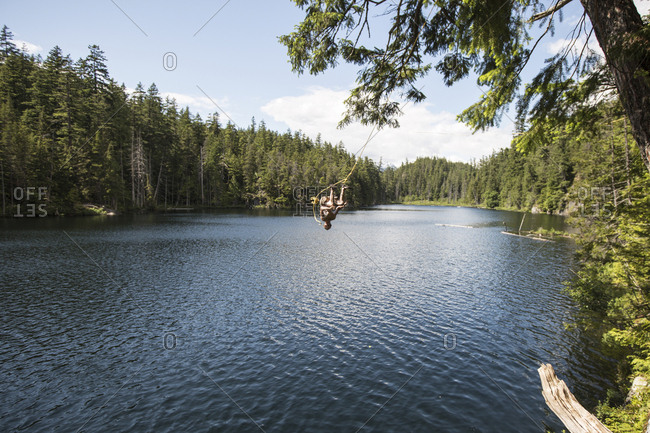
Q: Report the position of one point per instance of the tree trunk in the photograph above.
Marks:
(611, 169)
(2, 176)
(617, 24)
(155, 194)
(627, 163)
(133, 167)
(202, 158)
(564, 404)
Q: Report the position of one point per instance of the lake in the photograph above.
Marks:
(249, 321)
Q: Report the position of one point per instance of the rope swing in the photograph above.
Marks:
(329, 209)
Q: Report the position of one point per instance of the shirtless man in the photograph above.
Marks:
(330, 206)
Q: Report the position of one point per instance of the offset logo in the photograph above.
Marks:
(170, 61)
(595, 202)
(169, 341)
(30, 201)
(449, 341)
(302, 195)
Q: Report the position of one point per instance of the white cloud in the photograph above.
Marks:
(560, 45)
(198, 104)
(28, 47)
(643, 6)
(421, 133)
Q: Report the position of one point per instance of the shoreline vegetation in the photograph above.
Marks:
(74, 141)
(89, 209)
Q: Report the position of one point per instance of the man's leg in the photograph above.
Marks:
(342, 197)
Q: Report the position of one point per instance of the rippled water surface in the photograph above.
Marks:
(234, 321)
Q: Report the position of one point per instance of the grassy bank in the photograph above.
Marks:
(448, 204)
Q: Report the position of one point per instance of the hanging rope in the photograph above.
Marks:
(316, 199)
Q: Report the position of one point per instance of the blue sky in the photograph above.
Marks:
(229, 50)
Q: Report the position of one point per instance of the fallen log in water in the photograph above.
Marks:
(564, 404)
(527, 236)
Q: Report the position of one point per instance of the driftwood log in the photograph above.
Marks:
(564, 404)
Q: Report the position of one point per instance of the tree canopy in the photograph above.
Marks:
(491, 38)
(68, 127)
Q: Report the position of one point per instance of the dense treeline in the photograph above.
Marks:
(612, 282)
(431, 179)
(70, 128)
(599, 153)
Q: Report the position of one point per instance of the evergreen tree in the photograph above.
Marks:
(7, 46)
(481, 37)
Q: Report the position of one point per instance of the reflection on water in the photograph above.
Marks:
(228, 321)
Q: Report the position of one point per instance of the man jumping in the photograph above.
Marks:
(330, 207)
